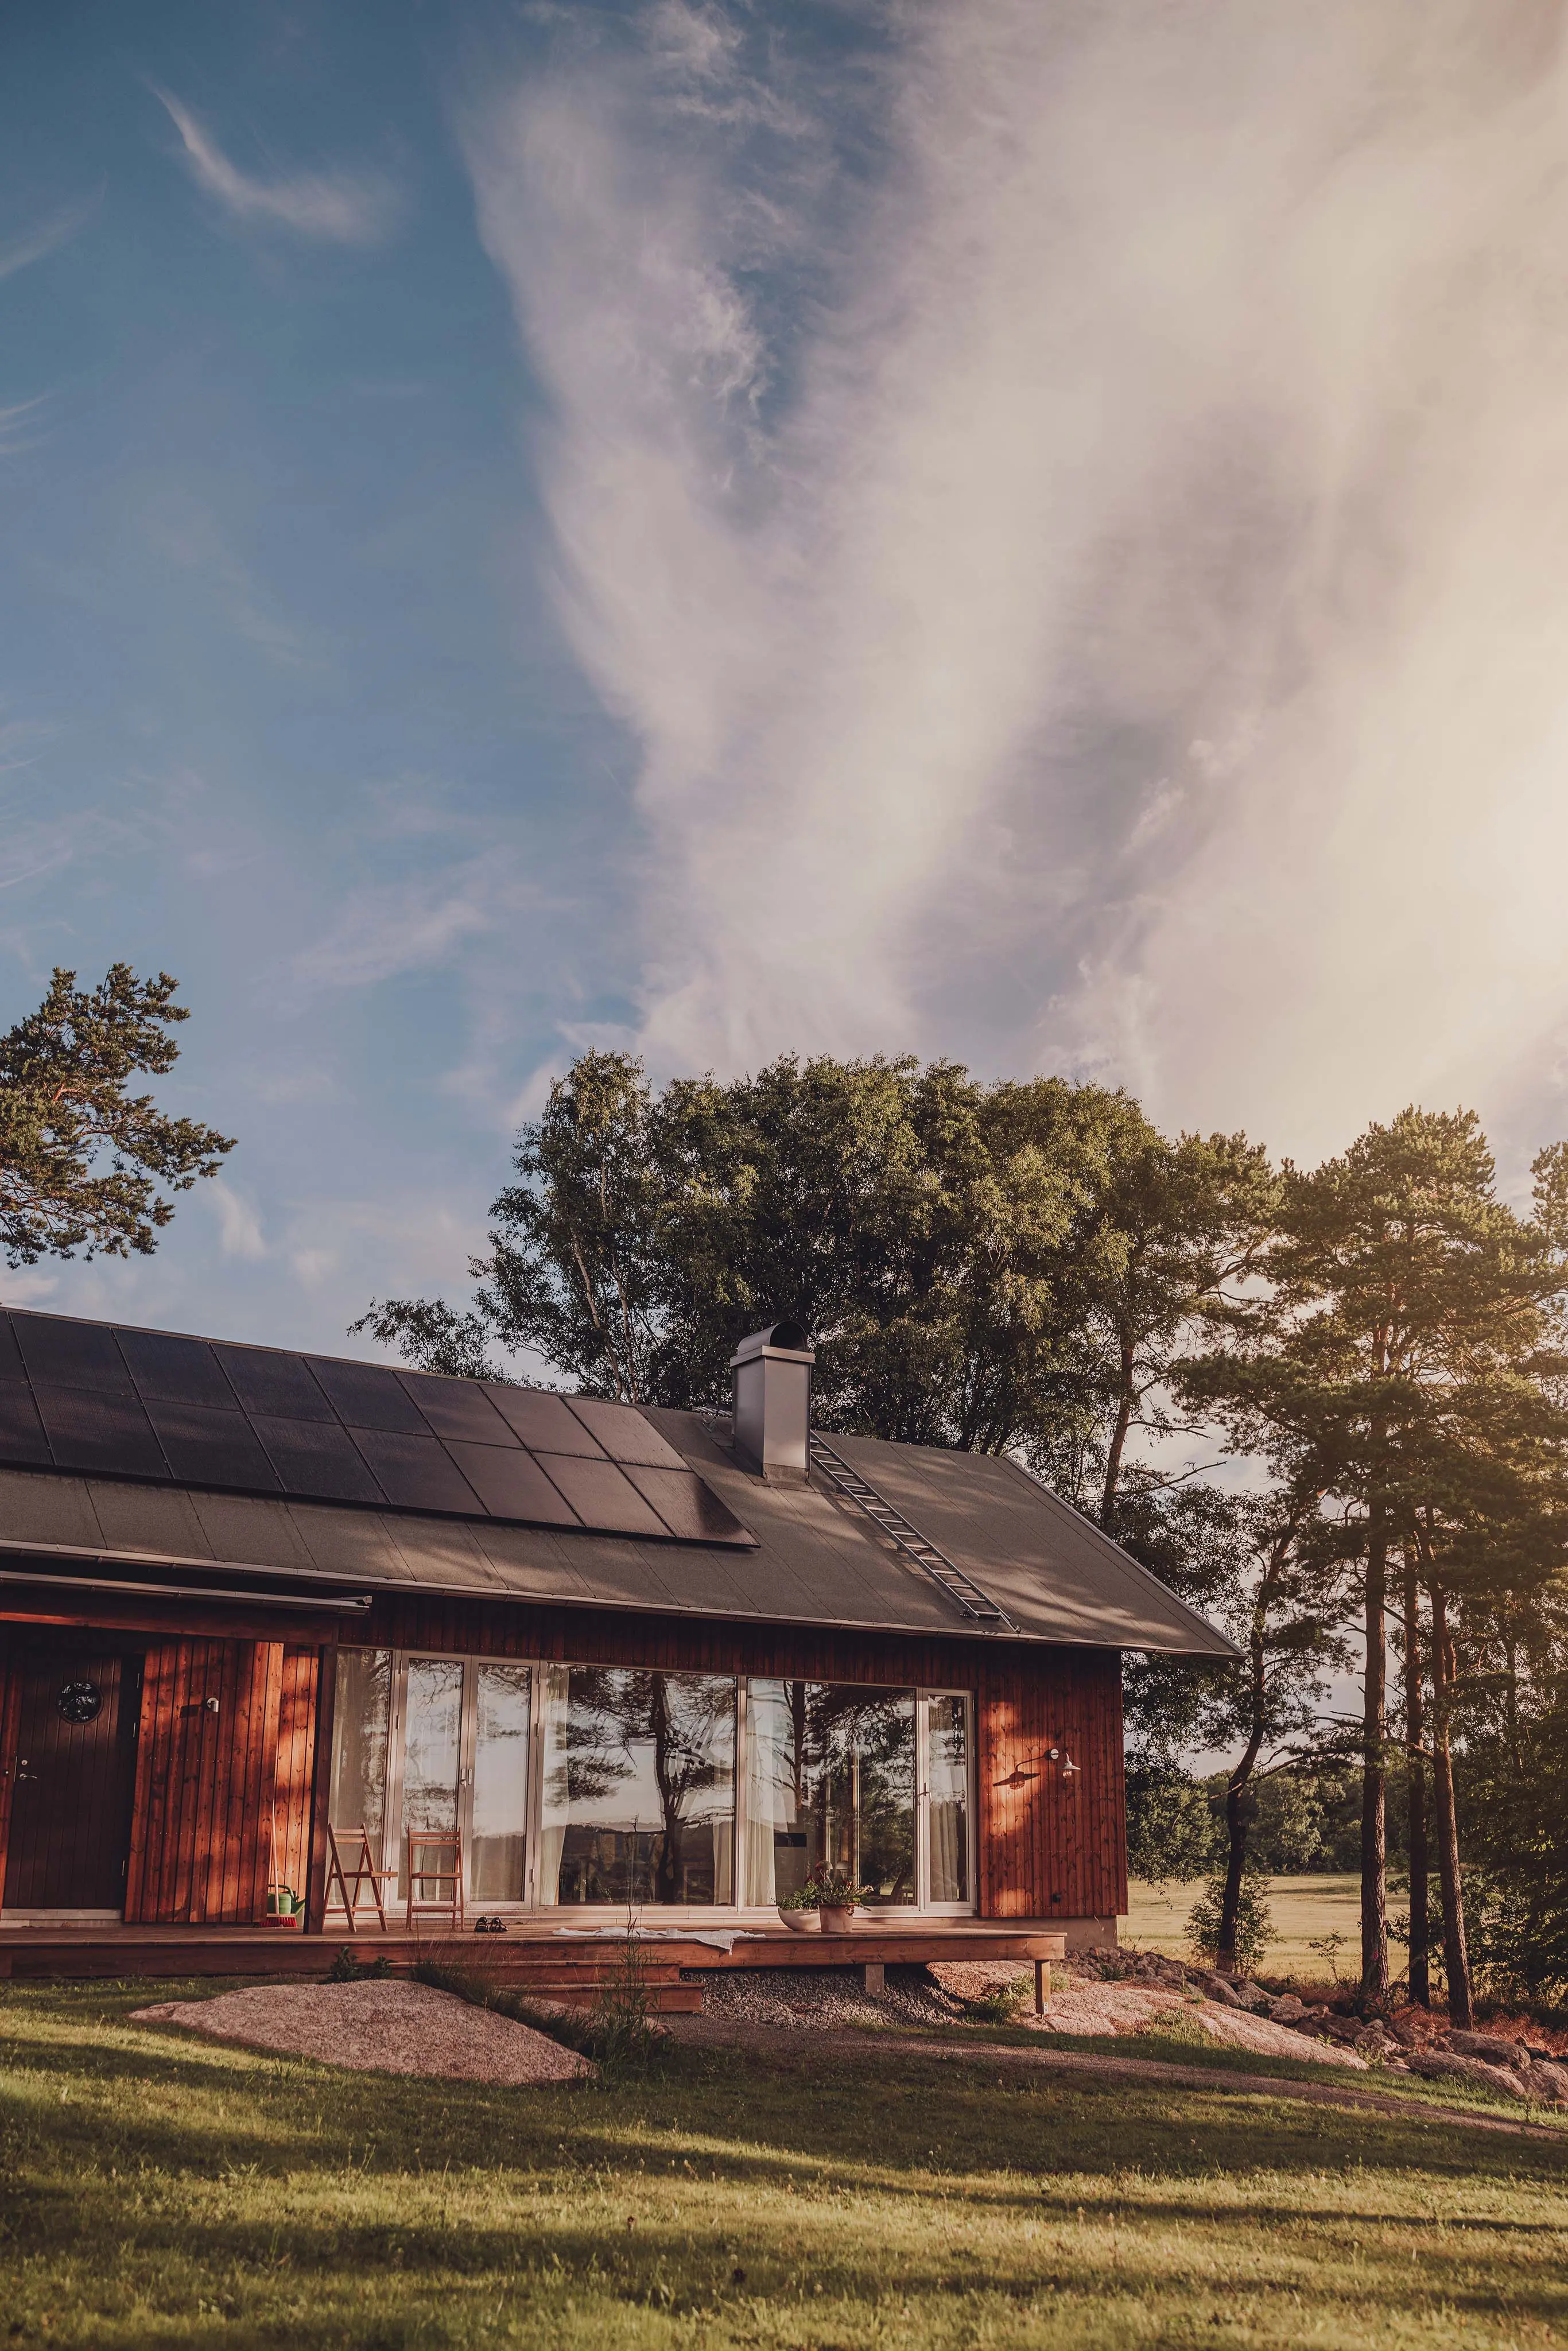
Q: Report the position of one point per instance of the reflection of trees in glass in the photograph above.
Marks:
(843, 1784)
(648, 1769)
(362, 1718)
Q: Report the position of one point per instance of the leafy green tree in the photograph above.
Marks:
(576, 1263)
(1389, 1359)
(1000, 1268)
(81, 1157)
(1266, 1568)
(1170, 1823)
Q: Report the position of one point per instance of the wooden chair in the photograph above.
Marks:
(432, 1882)
(351, 1882)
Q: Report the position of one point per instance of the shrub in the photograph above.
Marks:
(346, 1969)
(1254, 1923)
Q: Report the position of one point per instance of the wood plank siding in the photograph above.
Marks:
(210, 1780)
(224, 1778)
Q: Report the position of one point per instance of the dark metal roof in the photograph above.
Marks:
(815, 1560)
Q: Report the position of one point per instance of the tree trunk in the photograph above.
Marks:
(1235, 1788)
(1235, 1863)
(1456, 1957)
(1118, 1444)
(1416, 1768)
(1373, 1773)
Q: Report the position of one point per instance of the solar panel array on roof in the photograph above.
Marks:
(89, 1396)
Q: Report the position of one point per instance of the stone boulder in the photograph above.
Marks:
(1494, 2048)
(1221, 1988)
(1546, 2081)
(1252, 1996)
(1287, 2009)
(1440, 2065)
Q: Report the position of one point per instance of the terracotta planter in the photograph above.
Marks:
(800, 1922)
(836, 1921)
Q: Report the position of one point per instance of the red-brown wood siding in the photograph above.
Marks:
(10, 1724)
(220, 1788)
(1052, 1843)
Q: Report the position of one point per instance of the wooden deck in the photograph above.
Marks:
(531, 1958)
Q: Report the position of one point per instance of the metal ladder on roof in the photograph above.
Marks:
(961, 1589)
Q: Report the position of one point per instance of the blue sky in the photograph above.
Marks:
(979, 529)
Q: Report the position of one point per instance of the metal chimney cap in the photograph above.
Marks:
(791, 1339)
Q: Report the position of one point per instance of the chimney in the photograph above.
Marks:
(770, 1375)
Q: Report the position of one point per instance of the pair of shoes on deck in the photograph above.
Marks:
(489, 1926)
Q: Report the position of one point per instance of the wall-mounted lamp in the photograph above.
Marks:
(1021, 1773)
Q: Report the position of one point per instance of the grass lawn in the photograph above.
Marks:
(160, 2191)
(1304, 1910)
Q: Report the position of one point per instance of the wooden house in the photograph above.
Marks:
(271, 1620)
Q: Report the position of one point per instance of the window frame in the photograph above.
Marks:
(391, 1855)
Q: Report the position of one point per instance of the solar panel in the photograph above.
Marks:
(155, 1405)
(416, 1472)
(12, 1367)
(72, 1355)
(21, 1437)
(512, 1485)
(624, 1434)
(368, 1396)
(542, 1421)
(88, 1430)
(279, 1386)
(184, 1371)
(212, 1449)
(457, 1408)
(602, 1495)
(690, 1509)
(317, 1462)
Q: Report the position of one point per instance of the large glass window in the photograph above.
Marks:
(635, 1799)
(499, 1845)
(948, 1796)
(830, 1783)
(639, 1787)
(360, 1743)
(432, 1745)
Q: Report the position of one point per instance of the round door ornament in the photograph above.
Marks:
(79, 1702)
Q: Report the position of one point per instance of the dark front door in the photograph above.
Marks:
(74, 1770)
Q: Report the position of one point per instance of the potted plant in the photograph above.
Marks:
(798, 1910)
(835, 1893)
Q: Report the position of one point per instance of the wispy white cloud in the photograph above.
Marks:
(1118, 617)
(45, 236)
(341, 208)
(188, 534)
(239, 1225)
(413, 925)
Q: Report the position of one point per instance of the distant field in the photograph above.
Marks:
(1305, 1909)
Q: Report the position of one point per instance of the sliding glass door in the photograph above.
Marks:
(638, 1792)
(584, 1786)
(497, 1833)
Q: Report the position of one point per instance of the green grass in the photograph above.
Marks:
(157, 2190)
(1304, 1910)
